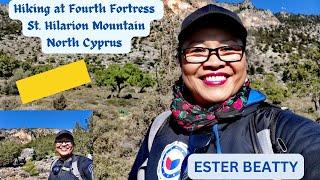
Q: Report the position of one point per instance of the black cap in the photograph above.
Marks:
(217, 16)
(64, 133)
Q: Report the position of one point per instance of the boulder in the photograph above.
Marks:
(18, 162)
(28, 154)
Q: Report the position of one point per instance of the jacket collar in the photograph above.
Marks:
(255, 97)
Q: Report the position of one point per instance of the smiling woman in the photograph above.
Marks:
(220, 74)
(68, 165)
(64, 144)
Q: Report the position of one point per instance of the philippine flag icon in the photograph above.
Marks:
(171, 164)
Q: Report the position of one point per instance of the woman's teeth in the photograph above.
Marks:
(215, 78)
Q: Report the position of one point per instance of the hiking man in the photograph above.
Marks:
(68, 165)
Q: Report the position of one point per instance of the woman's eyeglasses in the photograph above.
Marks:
(225, 53)
(67, 143)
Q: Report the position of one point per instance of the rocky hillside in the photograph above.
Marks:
(20, 158)
(14, 173)
(24, 135)
(143, 52)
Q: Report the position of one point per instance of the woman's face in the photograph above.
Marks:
(213, 81)
(64, 147)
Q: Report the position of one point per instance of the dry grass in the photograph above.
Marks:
(302, 106)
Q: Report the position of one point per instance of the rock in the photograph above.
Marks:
(13, 173)
(3, 135)
(183, 7)
(253, 18)
(246, 4)
(28, 154)
(18, 162)
(44, 165)
(21, 135)
(128, 96)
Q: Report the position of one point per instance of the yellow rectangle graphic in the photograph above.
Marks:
(53, 81)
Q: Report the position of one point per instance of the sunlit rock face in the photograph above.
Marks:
(251, 17)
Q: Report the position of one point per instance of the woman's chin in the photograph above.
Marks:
(216, 95)
(213, 100)
(64, 153)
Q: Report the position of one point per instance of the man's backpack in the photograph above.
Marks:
(264, 141)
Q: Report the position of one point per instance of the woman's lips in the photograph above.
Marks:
(64, 149)
(215, 79)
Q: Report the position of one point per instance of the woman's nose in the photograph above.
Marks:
(214, 61)
(64, 143)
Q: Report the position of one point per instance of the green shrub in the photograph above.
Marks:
(275, 92)
(146, 81)
(60, 103)
(83, 141)
(9, 87)
(7, 65)
(120, 102)
(43, 145)
(123, 112)
(8, 103)
(41, 68)
(9, 150)
(26, 65)
(260, 69)
(303, 79)
(31, 168)
(118, 77)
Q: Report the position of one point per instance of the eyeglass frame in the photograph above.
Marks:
(182, 52)
(59, 143)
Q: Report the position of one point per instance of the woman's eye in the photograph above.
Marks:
(197, 50)
(231, 48)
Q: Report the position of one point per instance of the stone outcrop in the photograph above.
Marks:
(22, 135)
(14, 173)
(28, 154)
(251, 17)
(183, 7)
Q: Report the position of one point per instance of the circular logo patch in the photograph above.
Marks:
(171, 159)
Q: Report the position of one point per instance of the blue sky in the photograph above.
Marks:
(66, 119)
(293, 6)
